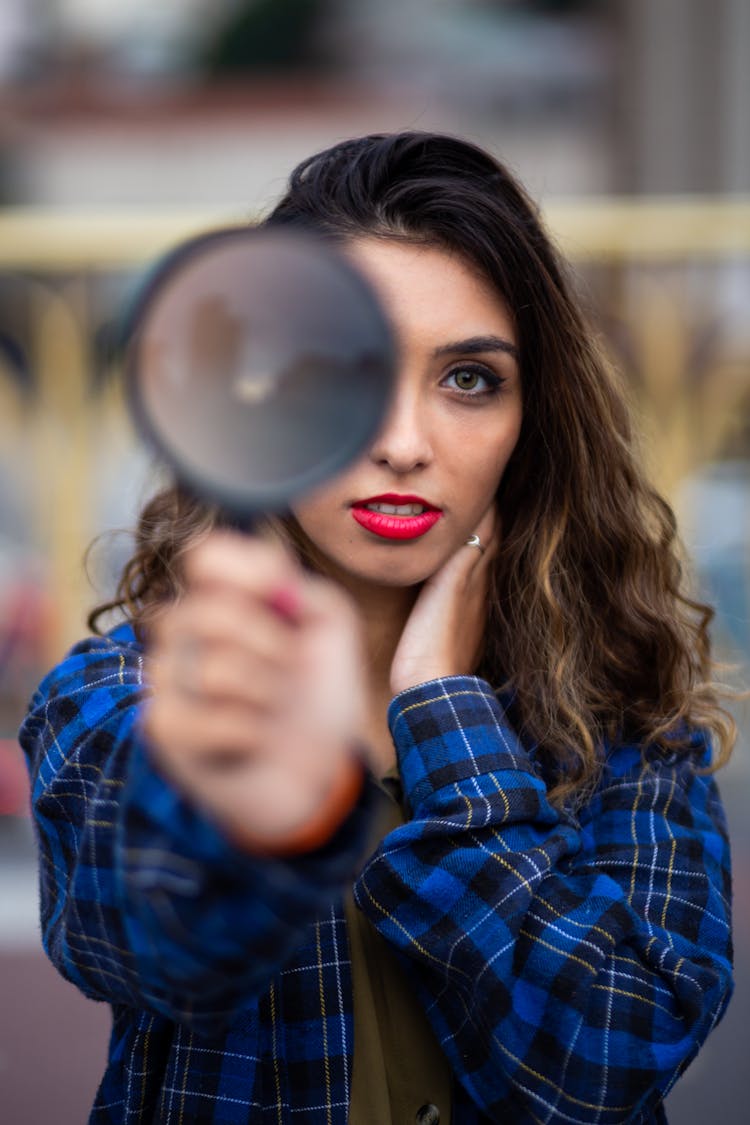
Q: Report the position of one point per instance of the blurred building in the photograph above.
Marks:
(683, 96)
(189, 102)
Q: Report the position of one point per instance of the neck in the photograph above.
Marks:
(384, 611)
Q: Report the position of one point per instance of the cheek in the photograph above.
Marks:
(481, 458)
(312, 515)
(316, 514)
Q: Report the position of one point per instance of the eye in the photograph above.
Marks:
(473, 380)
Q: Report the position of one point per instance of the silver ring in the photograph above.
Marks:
(475, 541)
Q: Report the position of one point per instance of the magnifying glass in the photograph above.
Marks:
(259, 364)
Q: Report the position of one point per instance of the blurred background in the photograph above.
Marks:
(124, 127)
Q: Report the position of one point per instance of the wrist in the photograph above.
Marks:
(317, 829)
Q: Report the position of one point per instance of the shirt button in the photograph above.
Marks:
(428, 1115)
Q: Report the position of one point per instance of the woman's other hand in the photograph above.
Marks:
(444, 633)
(258, 702)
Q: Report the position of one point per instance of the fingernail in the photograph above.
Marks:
(285, 601)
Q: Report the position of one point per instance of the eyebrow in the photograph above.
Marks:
(476, 344)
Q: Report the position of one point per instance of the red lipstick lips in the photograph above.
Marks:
(376, 514)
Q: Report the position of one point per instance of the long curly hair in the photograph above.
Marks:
(591, 630)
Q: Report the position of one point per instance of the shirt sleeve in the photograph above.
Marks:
(143, 900)
(571, 966)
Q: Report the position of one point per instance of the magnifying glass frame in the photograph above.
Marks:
(249, 498)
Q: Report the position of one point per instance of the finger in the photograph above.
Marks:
(484, 541)
(320, 599)
(253, 567)
(189, 735)
(212, 620)
(223, 676)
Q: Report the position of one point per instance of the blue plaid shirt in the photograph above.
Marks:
(570, 966)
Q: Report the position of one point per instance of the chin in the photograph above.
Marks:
(385, 563)
(396, 574)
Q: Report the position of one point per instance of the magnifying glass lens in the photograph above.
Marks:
(261, 364)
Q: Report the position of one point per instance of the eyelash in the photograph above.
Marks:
(494, 382)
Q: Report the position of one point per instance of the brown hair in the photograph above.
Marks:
(590, 628)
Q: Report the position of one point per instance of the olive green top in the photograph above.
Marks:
(401, 1075)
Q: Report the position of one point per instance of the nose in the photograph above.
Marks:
(403, 443)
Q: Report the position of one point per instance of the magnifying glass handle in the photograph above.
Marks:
(246, 525)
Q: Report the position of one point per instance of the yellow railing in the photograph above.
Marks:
(602, 229)
(690, 380)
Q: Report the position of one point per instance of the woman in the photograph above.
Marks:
(488, 610)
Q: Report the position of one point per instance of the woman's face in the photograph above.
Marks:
(453, 423)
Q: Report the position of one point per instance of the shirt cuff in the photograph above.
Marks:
(451, 729)
(170, 824)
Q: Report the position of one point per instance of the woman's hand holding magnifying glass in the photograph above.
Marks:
(258, 701)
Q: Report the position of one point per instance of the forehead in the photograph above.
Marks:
(430, 290)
